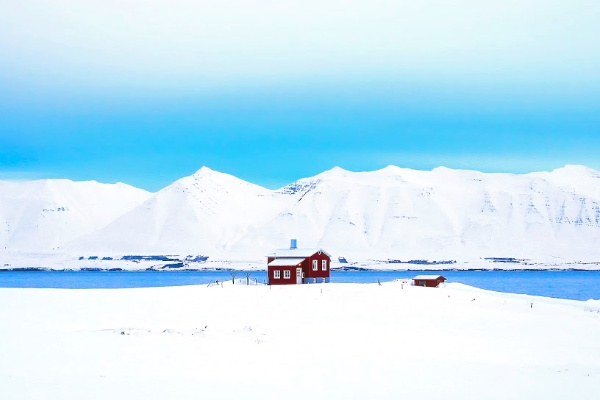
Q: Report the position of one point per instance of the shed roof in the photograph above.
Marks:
(285, 262)
(428, 277)
(295, 253)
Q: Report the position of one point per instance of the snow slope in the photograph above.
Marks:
(38, 216)
(391, 213)
(444, 213)
(244, 342)
(206, 212)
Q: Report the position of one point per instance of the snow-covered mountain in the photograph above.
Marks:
(207, 212)
(448, 214)
(390, 213)
(37, 216)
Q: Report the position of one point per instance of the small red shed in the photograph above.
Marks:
(296, 266)
(428, 280)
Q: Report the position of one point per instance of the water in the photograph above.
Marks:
(117, 279)
(575, 285)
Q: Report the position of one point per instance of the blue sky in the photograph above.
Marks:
(148, 92)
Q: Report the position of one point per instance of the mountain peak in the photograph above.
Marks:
(390, 169)
(208, 178)
(205, 173)
(335, 171)
(576, 169)
(204, 170)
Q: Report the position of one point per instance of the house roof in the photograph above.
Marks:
(294, 253)
(428, 277)
(286, 262)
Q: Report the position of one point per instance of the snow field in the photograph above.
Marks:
(346, 341)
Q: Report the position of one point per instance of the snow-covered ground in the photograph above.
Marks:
(346, 341)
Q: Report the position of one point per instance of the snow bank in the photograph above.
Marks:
(333, 341)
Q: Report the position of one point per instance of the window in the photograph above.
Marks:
(324, 265)
(315, 265)
(277, 274)
(286, 274)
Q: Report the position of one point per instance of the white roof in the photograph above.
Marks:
(427, 277)
(286, 262)
(297, 253)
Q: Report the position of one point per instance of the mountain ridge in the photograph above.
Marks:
(390, 213)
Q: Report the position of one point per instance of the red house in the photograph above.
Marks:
(428, 280)
(296, 266)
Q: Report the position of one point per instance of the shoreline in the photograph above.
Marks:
(336, 269)
(17, 261)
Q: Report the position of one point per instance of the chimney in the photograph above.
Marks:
(293, 244)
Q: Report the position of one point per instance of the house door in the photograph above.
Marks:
(299, 275)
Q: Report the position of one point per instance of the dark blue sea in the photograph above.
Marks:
(575, 285)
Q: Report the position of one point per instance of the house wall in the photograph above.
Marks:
(428, 282)
(319, 273)
(282, 280)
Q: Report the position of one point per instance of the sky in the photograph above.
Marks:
(147, 92)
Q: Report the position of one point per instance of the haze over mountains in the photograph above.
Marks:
(392, 213)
